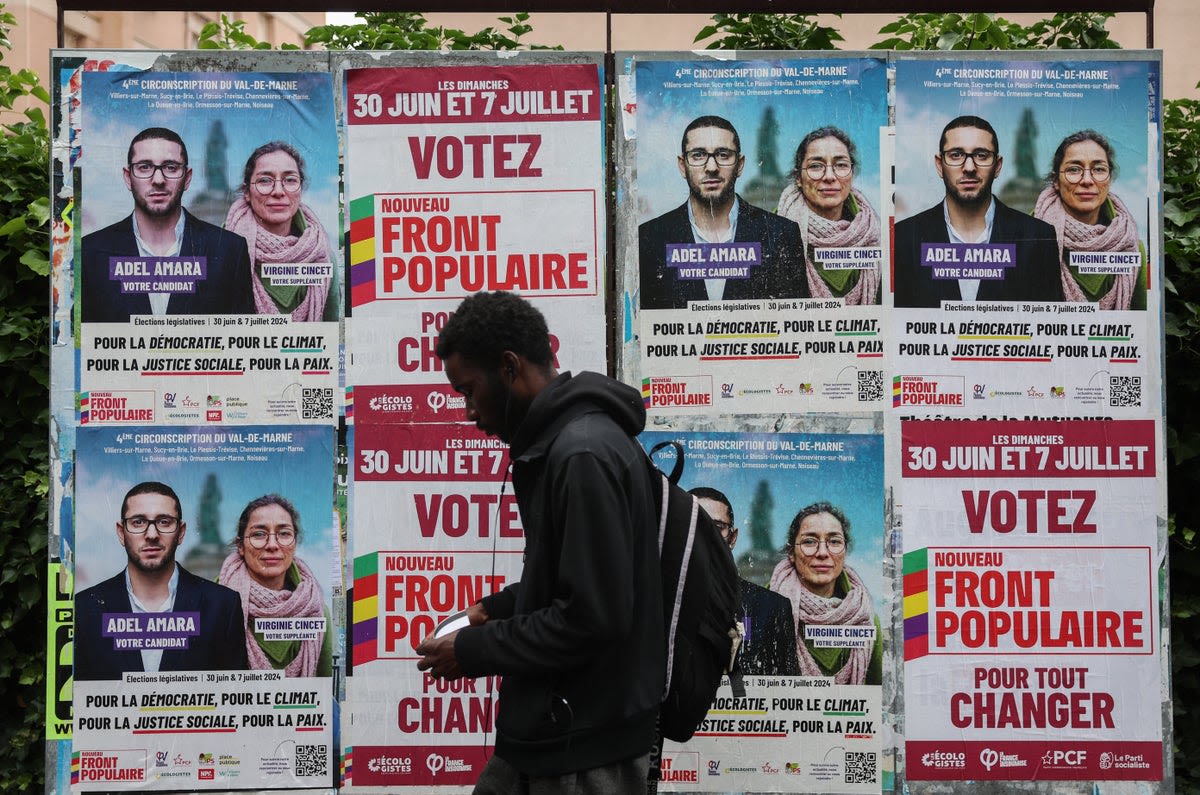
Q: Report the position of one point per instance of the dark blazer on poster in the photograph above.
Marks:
(770, 648)
(226, 291)
(1034, 277)
(220, 646)
(781, 274)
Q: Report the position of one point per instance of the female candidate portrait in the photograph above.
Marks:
(280, 229)
(824, 591)
(1089, 218)
(275, 584)
(832, 213)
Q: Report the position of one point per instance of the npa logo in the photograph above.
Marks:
(668, 392)
(206, 774)
(927, 390)
(212, 415)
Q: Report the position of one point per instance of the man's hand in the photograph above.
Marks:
(437, 654)
(437, 657)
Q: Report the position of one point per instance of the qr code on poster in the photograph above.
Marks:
(317, 404)
(870, 385)
(312, 760)
(1125, 390)
(860, 767)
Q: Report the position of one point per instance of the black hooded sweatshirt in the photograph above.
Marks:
(579, 639)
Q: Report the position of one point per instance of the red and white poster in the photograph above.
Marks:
(468, 178)
(1032, 600)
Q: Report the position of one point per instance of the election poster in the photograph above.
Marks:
(1027, 276)
(204, 640)
(804, 516)
(206, 246)
(1032, 600)
(468, 178)
(435, 530)
(759, 199)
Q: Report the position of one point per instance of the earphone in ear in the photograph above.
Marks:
(512, 374)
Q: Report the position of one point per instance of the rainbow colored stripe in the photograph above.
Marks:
(916, 604)
(364, 630)
(362, 250)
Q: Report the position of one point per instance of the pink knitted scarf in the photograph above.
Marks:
(809, 609)
(861, 230)
(259, 601)
(1120, 234)
(311, 246)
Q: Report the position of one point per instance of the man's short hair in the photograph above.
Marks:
(709, 493)
(977, 122)
(157, 132)
(485, 325)
(711, 121)
(152, 487)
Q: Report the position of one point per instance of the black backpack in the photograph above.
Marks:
(701, 603)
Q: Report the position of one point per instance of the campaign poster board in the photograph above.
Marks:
(201, 721)
(779, 305)
(435, 531)
(1057, 312)
(234, 319)
(799, 729)
(1032, 600)
(461, 178)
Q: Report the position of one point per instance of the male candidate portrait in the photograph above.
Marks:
(161, 259)
(165, 617)
(769, 631)
(1018, 258)
(753, 254)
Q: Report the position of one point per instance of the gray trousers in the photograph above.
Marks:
(620, 778)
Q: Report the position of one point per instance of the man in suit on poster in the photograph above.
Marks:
(155, 615)
(202, 268)
(669, 261)
(769, 639)
(1016, 255)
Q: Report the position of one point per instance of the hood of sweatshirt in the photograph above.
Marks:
(568, 396)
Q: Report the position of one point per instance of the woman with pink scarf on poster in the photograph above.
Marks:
(832, 213)
(1088, 218)
(275, 584)
(280, 228)
(824, 591)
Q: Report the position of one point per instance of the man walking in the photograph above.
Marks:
(578, 639)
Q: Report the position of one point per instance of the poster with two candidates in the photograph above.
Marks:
(191, 669)
(1027, 274)
(760, 212)
(206, 246)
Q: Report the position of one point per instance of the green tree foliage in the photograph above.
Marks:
(407, 30)
(1073, 31)
(1181, 228)
(24, 243)
(381, 30)
(768, 32)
